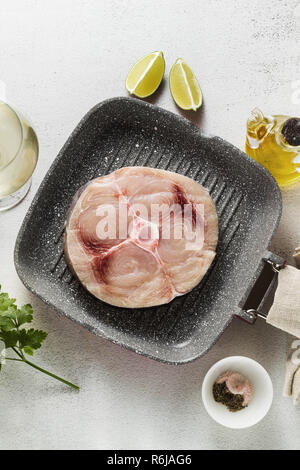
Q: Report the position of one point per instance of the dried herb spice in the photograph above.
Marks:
(222, 394)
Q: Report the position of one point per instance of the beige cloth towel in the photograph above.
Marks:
(292, 376)
(285, 314)
(297, 257)
(285, 311)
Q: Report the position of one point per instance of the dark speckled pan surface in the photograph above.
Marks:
(126, 132)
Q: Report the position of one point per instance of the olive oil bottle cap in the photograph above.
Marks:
(291, 131)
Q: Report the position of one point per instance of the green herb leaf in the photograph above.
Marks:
(9, 338)
(5, 301)
(6, 323)
(24, 315)
(10, 316)
(22, 340)
(29, 350)
(31, 338)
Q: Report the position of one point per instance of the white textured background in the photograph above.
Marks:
(60, 57)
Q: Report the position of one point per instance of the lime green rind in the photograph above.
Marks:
(176, 102)
(132, 93)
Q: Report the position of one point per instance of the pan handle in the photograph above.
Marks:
(259, 298)
(284, 310)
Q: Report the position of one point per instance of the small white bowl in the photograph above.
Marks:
(262, 396)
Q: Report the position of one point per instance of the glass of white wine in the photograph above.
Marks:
(18, 156)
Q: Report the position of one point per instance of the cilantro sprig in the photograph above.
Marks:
(20, 340)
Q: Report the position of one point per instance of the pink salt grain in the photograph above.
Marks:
(237, 384)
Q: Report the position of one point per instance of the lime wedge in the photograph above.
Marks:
(145, 76)
(184, 86)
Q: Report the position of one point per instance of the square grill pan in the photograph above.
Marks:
(126, 132)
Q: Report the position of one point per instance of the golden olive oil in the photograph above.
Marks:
(274, 142)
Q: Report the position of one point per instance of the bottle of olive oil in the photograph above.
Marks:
(274, 142)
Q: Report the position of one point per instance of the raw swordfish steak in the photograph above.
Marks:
(141, 236)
